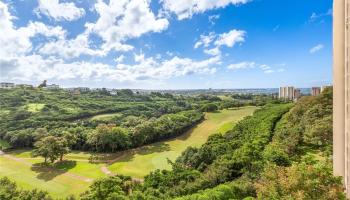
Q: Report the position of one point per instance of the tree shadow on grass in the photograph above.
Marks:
(154, 148)
(48, 172)
(128, 155)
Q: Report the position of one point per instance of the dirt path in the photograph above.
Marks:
(25, 162)
(106, 171)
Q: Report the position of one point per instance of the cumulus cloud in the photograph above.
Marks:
(119, 59)
(17, 41)
(35, 67)
(118, 21)
(205, 40)
(59, 11)
(231, 38)
(186, 8)
(316, 48)
(124, 19)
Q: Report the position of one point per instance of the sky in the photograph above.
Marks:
(167, 44)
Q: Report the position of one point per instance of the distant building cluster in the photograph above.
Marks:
(6, 85)
(293, 94)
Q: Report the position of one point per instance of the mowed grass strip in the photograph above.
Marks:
(139, 162)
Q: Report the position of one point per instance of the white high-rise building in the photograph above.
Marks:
(286, 93)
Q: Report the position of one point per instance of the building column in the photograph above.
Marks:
(341, 98)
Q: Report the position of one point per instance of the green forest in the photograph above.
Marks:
(282, 151)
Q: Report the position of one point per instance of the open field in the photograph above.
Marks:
(139, 162)
(105, 117)
(76, 173)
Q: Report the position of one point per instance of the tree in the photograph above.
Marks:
(9, 191)
(300, 181)
(109, 138)
(210, 107)
(108, 188)
(51, 148)
(43, 84)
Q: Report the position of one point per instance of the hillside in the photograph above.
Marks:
(282, 151)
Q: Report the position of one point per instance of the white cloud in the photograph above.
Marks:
(36, 68)
(265, 67)
(269, 71)
(316, 48)
(118, 21)
(205, 40)
(186, 8)
(124, 19)
(59, 10)
(119, 59)
(242, 65)
(231, 38)
(228, 39)
(314, 16)
(17, 41)
(214, 51)
(250, 65)
(79, 46)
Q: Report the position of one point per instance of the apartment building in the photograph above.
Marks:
(341, 87)
(7, 85)
(315, 91)
(297, 94)
(286, 93)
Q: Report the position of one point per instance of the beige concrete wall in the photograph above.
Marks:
(341, 113)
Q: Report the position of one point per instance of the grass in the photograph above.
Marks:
(225, 98)
(139, 162)
(4, 145)
(105, 117)
(35, 107)
(66, 178)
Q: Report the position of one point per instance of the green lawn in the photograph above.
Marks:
(71, 177)
(138, 163)
(225, 98)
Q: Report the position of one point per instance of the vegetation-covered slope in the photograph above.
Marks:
(281, 152)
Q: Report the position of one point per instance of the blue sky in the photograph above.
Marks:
(168, 44)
